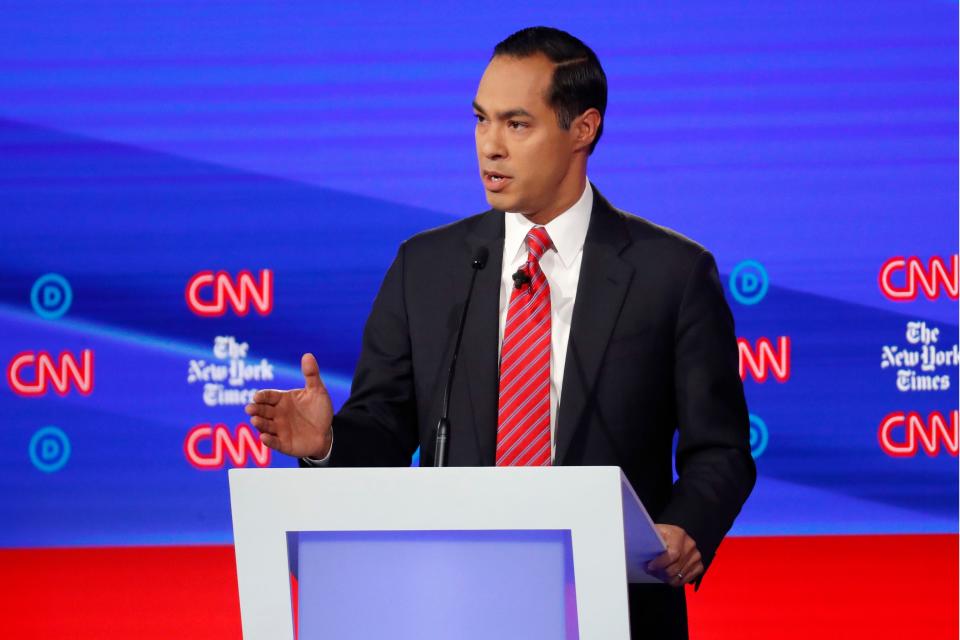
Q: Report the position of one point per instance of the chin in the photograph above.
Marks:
(501, 201)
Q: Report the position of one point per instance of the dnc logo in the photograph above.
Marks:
(759, 436)
(51, 296)
(49, 449)
(749, 282)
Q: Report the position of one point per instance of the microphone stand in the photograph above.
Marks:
(443, 427)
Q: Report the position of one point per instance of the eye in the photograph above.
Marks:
(517, 125)
(479, 118)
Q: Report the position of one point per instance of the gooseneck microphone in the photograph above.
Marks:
(443, 427)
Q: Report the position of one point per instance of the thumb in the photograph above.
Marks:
(311, 373)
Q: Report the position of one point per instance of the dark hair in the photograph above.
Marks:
(579, 82)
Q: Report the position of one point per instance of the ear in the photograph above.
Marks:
(584, 128)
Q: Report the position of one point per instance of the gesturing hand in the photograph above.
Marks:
(681, 562)
(295, 422)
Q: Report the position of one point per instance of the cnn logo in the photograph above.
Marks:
(209, 294)
(903, 435)
(765, 359)
(208, 446)
(34, 373)
(901, 279)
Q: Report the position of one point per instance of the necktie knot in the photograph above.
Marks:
(538, 241)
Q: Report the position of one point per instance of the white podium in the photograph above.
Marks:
(468, 552)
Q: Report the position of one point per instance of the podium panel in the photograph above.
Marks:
(471, 585)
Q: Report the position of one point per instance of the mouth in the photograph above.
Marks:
(495, 181)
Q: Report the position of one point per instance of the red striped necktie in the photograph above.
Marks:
(523, 424)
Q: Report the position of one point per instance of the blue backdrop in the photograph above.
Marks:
(141, 143)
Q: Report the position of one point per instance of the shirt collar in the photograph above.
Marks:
(568, 231)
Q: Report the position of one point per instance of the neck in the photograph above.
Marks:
(567, 199)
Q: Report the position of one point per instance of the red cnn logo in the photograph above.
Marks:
(240, 295)
(765, 359)
(916, 435)
(239, 447)
(932, 278)
(46, 372)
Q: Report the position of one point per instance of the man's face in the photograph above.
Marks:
(524, 155)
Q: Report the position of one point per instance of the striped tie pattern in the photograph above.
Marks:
(523, 424)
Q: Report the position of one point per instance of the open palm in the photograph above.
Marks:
(296, 422)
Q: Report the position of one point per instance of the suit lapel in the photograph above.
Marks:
(602, 286)
(481, 335)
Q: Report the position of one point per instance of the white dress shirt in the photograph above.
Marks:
(561, 266)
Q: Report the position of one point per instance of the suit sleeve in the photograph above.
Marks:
(376, 427)
(715, 468)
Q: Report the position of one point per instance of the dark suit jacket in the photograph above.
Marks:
(652, 351)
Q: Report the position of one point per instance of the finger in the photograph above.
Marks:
(684, 570)
(668, 557)
(674, 574)
(267, 396)
(311, 373)
(692, 571)
(683, 558)
(670, 572)
(689, 563)
(674, 567)
(688, 575)
(263, 425)
(267, 411)
(271, 441)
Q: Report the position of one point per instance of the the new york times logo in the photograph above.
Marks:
(226, 377)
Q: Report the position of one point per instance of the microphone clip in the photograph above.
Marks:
(520, 278)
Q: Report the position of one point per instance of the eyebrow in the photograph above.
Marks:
(505, 115)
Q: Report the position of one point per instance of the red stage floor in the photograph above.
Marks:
(771, 588)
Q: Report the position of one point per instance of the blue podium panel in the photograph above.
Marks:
(435, 584)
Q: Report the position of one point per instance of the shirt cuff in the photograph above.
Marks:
(320, 462)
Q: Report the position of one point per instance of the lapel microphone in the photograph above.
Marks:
(520, 278)
(443, 427)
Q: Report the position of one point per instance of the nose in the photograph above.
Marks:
(490, 142)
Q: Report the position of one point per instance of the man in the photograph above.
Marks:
(592, 335)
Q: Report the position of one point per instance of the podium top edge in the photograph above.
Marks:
(380, 471)
(585, 474)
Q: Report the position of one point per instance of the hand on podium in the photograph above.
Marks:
(296, 422)
(681, 562)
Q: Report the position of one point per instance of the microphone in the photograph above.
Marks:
(520, 278)
(443, 427)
